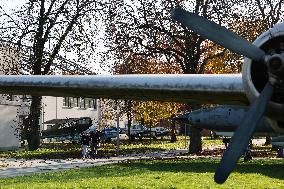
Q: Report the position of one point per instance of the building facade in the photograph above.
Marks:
(14, 109)
(58, 108)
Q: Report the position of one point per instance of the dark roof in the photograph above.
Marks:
(61, 121)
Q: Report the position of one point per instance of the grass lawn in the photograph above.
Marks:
(69, 150)
(175, 173)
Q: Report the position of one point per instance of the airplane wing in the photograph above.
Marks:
(186, 88)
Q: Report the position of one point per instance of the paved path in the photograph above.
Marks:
(16, 167)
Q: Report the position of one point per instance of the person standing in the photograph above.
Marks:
(85, 141)
(95, 141)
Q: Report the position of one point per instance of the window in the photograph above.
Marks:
(90, 103)
(84, 121)
(94, 104)
(10, 97)
(68, 102)
(65, 101)
(87, 102)
(26, 98)
(83, 103)
(71, 102)
(76, 102)
(48, 127)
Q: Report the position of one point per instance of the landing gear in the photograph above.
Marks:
(247, 154)
(226, 141)
(280, 152)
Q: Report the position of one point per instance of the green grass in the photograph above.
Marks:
(175, 173)
(52, 150)
(69, 150)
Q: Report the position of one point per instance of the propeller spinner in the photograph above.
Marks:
(275, 64)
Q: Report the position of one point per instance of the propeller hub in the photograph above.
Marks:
(275, 65)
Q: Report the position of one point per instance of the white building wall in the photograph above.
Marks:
(52, 108)
(9, 104)
(9, 136)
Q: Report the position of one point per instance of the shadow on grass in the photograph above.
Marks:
(75, 153)
(270, 168)
(142, 167)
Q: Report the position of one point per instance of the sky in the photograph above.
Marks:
(8, 5)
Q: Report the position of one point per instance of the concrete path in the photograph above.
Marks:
(17, 167)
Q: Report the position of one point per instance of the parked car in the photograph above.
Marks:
(110, 133)
(122, 136)
(161, 131)
(138, 130)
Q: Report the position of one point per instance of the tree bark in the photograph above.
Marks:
(33, 127)
(195, 144)
(129, 121)
(173, 130)
(267, 140)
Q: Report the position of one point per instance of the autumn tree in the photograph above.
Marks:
(9, 59)
(269, 12)
(145, 28)
(250, 19)
(231, 62)
(149, 112)
(50, 28)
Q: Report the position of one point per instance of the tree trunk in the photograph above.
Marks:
(173, 130)
(33, 127)
(129, 121)
(151, 125)
(195, 144)
(267, 140)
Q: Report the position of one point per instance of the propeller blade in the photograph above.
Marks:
(242, 135)
(218, 34)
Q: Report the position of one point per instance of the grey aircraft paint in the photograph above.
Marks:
(197, 88)
(223, 118)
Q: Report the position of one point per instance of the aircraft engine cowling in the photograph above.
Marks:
(255, 74)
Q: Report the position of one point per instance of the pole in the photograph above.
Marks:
(55, 107)
(185, 136)
(151, 131)
(99, 112)
(117, 129)
(42, 125)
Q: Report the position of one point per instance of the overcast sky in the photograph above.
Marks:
(10, 4)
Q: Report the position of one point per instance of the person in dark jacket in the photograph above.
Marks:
(95, 141)
(85, 141)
